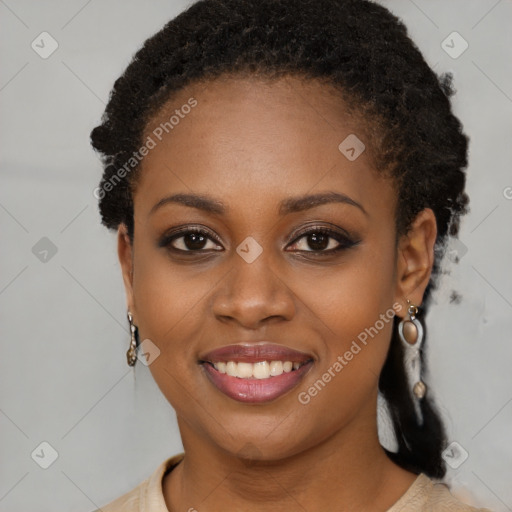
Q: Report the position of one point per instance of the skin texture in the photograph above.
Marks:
(250, 144)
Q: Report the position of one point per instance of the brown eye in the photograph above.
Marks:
(322, 241)
(190, 240)
(193, 241)
(317, 241)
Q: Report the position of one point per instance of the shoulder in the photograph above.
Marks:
(129, 502)
(425, 495)
(147, 495)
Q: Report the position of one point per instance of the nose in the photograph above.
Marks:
(253, 294)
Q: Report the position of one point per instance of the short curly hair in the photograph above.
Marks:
(364, 51)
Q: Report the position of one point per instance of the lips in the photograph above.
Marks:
(254, 352)
(255, 372)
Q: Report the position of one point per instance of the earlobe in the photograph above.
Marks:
(125, 254)
(415, 259)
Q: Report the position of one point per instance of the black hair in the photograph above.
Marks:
(361, 49)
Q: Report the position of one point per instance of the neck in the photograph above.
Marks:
(349, 469)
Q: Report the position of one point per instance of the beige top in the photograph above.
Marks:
(422, 496)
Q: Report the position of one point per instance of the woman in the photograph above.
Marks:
(284, 176)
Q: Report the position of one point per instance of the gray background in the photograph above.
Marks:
(64, 378)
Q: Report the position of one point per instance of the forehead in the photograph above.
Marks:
(247, 138)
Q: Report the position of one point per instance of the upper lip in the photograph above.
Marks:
(252, 352)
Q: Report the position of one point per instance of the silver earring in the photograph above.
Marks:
(410, 332)
(131, 355)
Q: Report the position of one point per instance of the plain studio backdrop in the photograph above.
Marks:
(79, 427)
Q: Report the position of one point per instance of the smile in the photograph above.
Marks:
(259, 370)
(255, 373)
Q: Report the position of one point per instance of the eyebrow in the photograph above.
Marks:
(286, 206)
(301, 203)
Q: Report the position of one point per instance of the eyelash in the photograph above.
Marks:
(344, 241)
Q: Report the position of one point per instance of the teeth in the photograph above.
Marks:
(259, 370)
(244, 370)
(276, 368)
(232, 369)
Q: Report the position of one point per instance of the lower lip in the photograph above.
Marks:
(255, 390)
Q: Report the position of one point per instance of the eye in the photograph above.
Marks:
(318, 240)
(190, 239)
(322, 240)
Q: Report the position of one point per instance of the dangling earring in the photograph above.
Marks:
(131, 355)
(410, 332)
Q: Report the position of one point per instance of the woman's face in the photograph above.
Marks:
(265, 275)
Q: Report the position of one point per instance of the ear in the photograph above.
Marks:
(125, 254)
(415, 259)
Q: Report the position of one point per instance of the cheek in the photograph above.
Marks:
(349, 297)
(352, 306)
(168, 304)
(169, 301)
(164, 292)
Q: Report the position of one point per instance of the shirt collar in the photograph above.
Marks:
(151, 495)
